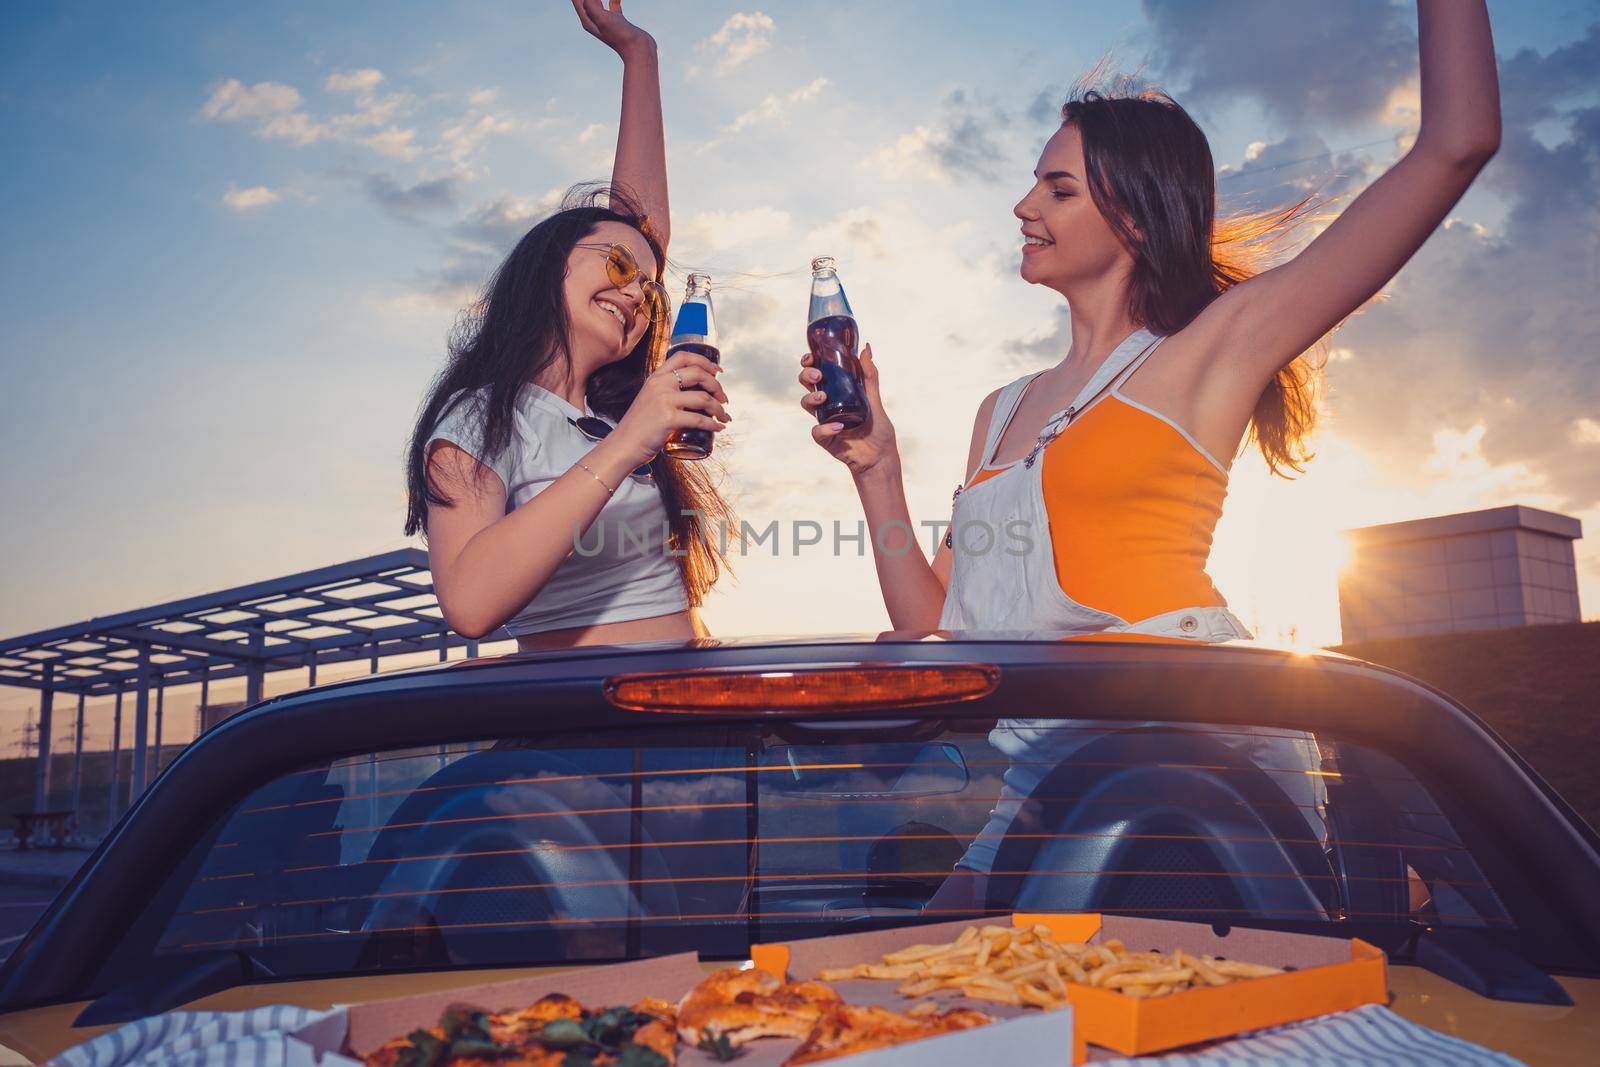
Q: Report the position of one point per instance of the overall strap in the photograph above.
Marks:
(1131, 353)
(1005, 408)
(1139, 361)
(1122, 361)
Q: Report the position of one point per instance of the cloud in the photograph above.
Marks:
(297, 127)
(1490, 330)
(394, 142)
(499, 224)
(458, 283)
(371, 110)
(1499, 327)
(961, 144)
(1048, 347)
(234, 101)
(1300, 165)
(774, 109)
(272, 106)
(463, 140)
(277, 112)
(1046, 106)
(356, 81)
(254, 198)
(966, 148)
(714, 231)
(1301, 60)
(739, 40)
(766, 343)
(440, 194)
(483, 97)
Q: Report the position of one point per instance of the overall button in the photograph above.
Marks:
(1188, 624)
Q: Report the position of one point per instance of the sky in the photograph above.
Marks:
(236, 239)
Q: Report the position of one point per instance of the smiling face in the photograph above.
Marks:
(1066, 240)
(607, 320)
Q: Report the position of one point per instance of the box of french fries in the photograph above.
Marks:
(1137, 985)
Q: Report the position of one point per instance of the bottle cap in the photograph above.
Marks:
(701, 282)
(822, 263)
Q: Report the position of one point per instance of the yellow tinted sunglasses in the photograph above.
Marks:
(622, 269)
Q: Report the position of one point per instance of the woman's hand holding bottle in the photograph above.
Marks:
(667, 402)
(867, 448)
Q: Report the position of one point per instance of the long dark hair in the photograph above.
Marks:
(517, 330)
(1150, 174)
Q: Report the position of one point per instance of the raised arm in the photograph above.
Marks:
(1271, 318)
(640, 166)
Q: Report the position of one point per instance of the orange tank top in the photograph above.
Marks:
(1132, 502)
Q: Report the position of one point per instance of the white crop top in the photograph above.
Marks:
(619, 569)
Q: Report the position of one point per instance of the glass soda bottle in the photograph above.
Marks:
(832, 337)
(694, 330)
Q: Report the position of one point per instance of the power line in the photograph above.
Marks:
(1297, 162)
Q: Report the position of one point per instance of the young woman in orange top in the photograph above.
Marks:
(1093, 486)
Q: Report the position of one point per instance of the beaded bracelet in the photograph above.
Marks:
(596, 477)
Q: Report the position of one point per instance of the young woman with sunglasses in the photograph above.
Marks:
(534, 469)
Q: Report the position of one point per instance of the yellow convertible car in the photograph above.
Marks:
(477, 820)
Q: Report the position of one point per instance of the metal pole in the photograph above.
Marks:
(161, 700)
(205, 698)
(77, 759)
(41, 769)
(372, 762)
(116, 760)
(141, 726)
(254, 672)
(472, 653)
(311, 671)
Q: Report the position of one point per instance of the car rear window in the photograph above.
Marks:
(590, 847)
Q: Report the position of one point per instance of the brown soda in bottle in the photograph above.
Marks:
(832, 336)
(694, 330)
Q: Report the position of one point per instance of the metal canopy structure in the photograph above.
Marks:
(382, 605)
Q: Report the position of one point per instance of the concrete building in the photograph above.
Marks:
(1479, 570)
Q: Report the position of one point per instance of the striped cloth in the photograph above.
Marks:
(1371, 1034)
(257, 1038)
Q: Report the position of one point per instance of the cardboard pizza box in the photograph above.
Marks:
(1329, 975)
(342, 1042)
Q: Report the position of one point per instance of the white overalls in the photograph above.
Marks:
(1000, 593)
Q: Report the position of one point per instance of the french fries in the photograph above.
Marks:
(1024, 966)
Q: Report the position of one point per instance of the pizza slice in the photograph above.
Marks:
(555, 1031)
(738, 1006)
